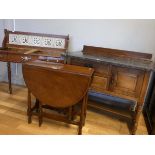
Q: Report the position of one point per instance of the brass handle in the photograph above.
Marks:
(26, 58)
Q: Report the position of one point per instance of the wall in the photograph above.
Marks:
(134, 35)
(1, 30)
(17, 77)
(3, 73)
(137, 35)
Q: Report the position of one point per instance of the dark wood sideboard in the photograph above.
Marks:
(19, 47)
(118, 73)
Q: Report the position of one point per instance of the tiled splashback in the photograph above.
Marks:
(30, 40)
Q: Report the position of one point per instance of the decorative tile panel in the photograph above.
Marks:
(36, 41)
(30, 40)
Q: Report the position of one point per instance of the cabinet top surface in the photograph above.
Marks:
(126, 62)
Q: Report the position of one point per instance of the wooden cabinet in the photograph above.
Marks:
(122, 74)
(119, 80)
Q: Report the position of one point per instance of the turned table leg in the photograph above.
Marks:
(9, 77)
(136, 119)
(29, 113)
(37, 105)
(40, 114)
(85, 109)
(82, 116)
(70, 113)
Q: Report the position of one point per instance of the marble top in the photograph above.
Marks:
(127, 62)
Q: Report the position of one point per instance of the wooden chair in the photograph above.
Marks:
(59, 86)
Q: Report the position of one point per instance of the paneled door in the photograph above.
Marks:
(126, 81)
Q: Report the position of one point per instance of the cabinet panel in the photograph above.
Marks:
(126, 81)
(99, 83)
(101, 69)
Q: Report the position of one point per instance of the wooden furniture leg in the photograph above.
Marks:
(136, 119)
(73, 113)
(82, 117)
(9, 77)
(40, 115)
(70, 113)
(29, 108)
(85, 108)
(37, 105)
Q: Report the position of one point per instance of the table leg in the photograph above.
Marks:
(40, 114)
(29, 111)
(9, 77)
(82, 117)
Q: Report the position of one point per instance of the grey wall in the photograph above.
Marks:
(135, 35)
(1, 30)
(17, 77)
(3, 73)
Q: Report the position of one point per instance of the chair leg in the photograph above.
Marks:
(29, 113)
(82, 116)
(40, 115)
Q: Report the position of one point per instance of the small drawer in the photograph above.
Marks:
(18, 58)
(99, 83)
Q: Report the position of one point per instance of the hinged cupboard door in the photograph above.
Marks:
(126, 81)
